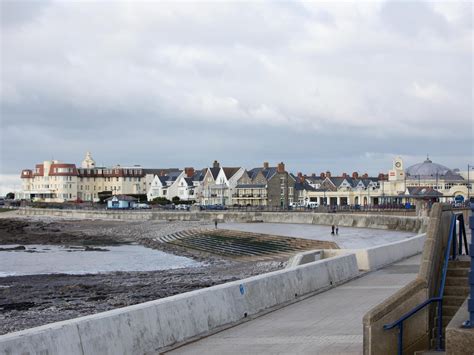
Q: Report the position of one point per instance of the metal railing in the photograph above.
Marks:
(451, 245)
(470, 304)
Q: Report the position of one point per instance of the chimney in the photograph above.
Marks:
(281, 168)
(301, 177)
(265, 165)
(162, 173)
(313, 175)
(355, 175)
(189, 172)
(344, 175)
(322, 175)
(328, 174)
(216, 164)
(365, 176)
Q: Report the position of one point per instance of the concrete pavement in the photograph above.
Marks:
(327, 323)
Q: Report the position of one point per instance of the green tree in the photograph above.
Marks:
(161, 201)
(176, 199)
(10, 196)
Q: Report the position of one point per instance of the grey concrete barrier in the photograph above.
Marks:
(402, 223)
(152, 326)
(370, 258)
(305, 258)
(379, 256)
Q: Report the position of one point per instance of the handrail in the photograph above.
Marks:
(411, 313)
(451, 242)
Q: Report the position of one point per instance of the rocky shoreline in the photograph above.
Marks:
(34, 300)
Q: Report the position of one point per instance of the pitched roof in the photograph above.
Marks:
(229, 172)
(214, 172)
(199, 175)
(303, 185)
(423, 191)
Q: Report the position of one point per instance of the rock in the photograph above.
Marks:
(20, 247)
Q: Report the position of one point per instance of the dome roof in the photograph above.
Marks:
(427, 169)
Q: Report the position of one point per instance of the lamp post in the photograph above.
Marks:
(469, 167)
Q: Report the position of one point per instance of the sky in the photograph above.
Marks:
(339, 86)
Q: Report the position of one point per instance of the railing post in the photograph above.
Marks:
(470, 303)
(400, 339)
(440, 325)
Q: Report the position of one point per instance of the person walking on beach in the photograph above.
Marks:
(332, 229)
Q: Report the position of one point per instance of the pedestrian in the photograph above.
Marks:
(332, 229)
(337, 230)
(215, 223)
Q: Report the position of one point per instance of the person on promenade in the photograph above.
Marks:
(337, 230)
(332, 229)
(215, 223)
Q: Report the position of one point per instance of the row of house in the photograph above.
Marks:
(53, 181)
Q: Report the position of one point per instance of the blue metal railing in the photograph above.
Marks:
(470, 303)
(458, 217)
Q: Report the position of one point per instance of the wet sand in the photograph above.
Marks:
(34, 300)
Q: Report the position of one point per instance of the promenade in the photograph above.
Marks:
(327, 323)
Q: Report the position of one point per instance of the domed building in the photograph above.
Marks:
(447, 182)
(427, 169)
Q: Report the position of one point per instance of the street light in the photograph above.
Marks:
(469, 167)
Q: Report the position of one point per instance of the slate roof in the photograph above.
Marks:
(229, 172)
(267, 173)
(214, 172)
(163, 179)
(422, 191)
(199, 175)
(160, 171)
(299, 185)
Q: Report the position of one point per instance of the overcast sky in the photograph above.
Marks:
(338, 86)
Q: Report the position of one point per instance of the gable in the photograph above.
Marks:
(244, 179)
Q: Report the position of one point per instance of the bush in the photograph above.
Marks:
(176, 200)
(160, 201)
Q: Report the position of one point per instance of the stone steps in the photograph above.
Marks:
(456, 281)
(239, 244)
(456, 291)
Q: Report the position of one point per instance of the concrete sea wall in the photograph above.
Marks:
(417, 329)
(153, 326)
(367, 259)
(401, 223)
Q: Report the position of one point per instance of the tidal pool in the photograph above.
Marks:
(55, 259)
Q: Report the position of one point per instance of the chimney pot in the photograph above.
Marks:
(265, 165)
(189, 171)
(281, 168)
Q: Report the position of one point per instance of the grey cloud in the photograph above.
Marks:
(315, 85)
(18, 12)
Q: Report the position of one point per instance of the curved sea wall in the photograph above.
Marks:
(401, 223)
(151, 327)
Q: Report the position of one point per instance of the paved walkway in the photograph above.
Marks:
(327, 323)
(348, 238)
